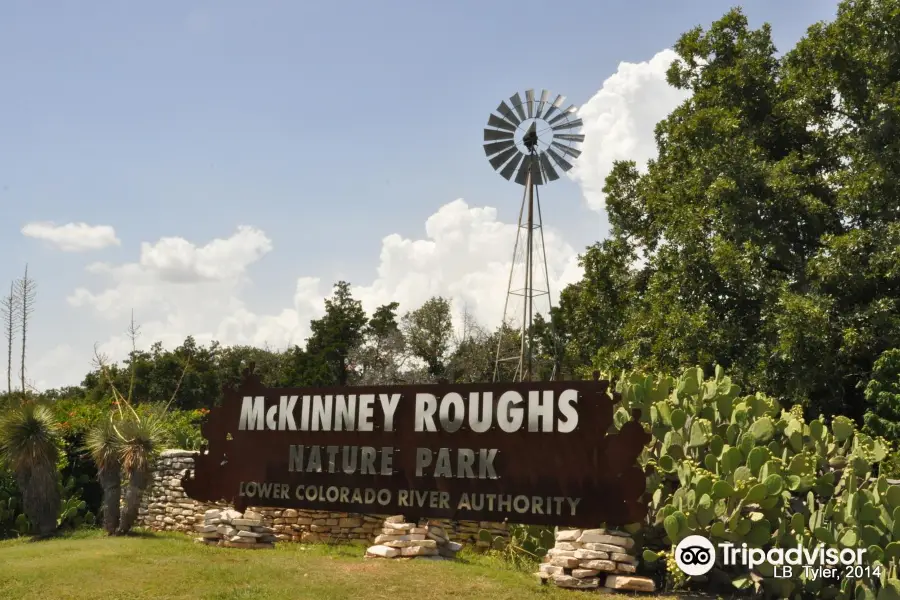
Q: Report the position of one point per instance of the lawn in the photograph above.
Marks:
(89, 566)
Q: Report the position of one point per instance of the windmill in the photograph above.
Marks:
(527, 142)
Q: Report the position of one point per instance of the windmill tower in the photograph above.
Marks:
(526, 142)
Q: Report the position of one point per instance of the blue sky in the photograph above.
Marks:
(327, 126)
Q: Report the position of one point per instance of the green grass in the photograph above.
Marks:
(89, 566)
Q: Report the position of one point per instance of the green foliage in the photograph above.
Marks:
(12, 520)
(739, 468)
(768, 223)
(524, 547)
(333, 338)
(30, 447)
(73, 511)
(428, 331)
(882, 395)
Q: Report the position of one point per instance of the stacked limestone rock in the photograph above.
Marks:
(400, 539)
(581, 559)
(230, 529)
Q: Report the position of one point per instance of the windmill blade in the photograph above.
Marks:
(494, 148)
(555, 106)
(557, 118)
(516, 100)
(522, 175)
(569, 125)
(507, 113)
(572, 109)
(495, 121)
(574, 153)
(499, 160)
(536, 176)
(572, 137)
(491, 135)
(529, 99)
(545, 94)
(510, 167)
(563, 163)
(548, 168)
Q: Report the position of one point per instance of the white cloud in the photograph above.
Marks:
(178, 260)
(178, 288)
(619, 121)
(73, 237)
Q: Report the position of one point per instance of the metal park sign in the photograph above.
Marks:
(530, 452)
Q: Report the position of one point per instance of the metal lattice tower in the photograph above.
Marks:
(526, 142)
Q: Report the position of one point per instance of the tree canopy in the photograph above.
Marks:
(764, 235)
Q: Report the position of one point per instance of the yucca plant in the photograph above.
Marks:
(127, 445)
(102, 442)
(140, 441)
(29, 445)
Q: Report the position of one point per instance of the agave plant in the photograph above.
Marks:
(103, 444)
(29, 445)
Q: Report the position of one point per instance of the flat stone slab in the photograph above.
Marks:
(582, 573)
(568, 535)
(630, 583)
(247, 522)
(614, 540)
(399, 538)
(567, 581)
(418, 551)
(600, 547)
(599, 565)
(411, 543)
(382, 551)
(568, 546)
(590, 555)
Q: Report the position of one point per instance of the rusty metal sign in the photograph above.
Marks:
(530, 452)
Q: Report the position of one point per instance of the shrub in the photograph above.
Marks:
(740, 469)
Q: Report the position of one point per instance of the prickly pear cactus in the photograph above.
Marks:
(740, 469)
(12, 521)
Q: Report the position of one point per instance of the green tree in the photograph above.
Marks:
(766, 227)
(30, 448)
(384, 320)
(882, 395)
(428, 331)
(333, 337)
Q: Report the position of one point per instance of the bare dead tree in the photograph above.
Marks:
(133, 332)
(26, 289)
(10, 317)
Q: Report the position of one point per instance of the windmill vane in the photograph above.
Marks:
(534, 136)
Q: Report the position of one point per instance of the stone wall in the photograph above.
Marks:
(166, 507)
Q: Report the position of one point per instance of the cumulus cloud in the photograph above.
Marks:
(178, 260)
(73, 237)
(174, 274)
(178, 288)
(619, 121)
(466, 255)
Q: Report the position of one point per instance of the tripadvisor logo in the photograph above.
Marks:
(696, 555)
